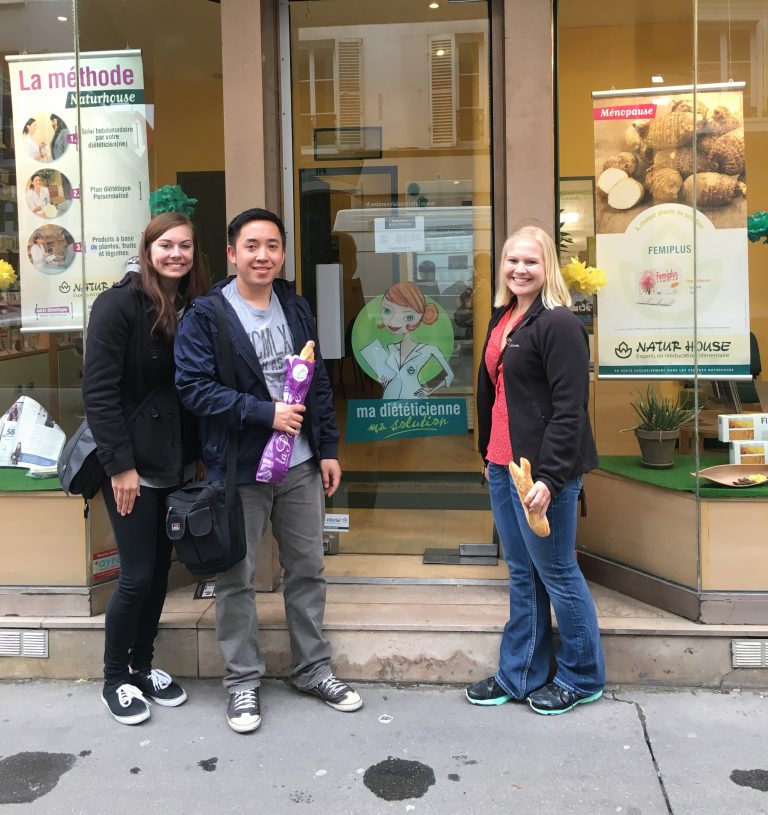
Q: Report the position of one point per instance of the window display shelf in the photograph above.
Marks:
(17, 354)
(31, 352)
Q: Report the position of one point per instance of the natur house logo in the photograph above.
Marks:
(623, 351)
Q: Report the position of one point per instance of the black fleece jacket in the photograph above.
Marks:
(123, 364)
(546, 379)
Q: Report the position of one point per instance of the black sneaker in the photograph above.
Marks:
(159, 686)
(488, 692)
(126, 703)
(337, 694)
(552, 699)
(244, 710)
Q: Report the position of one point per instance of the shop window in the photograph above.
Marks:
(458, 89)
(330, 90)
(72, 210)
(736, 53)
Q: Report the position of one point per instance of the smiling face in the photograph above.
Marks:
(172, 254)
(523, 268)
(399, 319)
(37, 182)
(258, 256)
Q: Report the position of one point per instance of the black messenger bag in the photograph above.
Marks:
(79, 469)
(207, 532)
(205, 518)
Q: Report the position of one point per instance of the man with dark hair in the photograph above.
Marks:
(267, 321)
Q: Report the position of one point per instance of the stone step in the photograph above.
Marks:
(405, 633)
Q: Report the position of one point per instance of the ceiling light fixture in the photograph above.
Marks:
(657, 79)
(434, 5)
(62, 19)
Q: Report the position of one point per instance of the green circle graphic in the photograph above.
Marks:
(366, 331)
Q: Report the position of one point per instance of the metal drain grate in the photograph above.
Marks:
(23, 644)
(749, 653)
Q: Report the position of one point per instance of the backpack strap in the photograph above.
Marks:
(228, 379)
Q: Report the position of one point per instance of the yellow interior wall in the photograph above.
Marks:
(188, 134)
(626, 57)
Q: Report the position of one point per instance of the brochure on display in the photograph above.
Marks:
(29, 438)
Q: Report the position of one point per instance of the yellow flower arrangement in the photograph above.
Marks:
(582, 278)
(7, 274)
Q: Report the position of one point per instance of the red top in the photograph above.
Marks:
(499, 445)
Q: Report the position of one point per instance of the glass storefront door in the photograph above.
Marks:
(392, 192)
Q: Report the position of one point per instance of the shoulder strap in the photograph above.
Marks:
(225, 343)
(228, 377)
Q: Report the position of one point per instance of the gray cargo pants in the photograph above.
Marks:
(297, 510)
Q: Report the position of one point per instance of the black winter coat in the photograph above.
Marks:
(123, 363)
(546, 380)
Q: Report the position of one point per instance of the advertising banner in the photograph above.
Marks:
(404, 340)
(672, 266)
(82, 178)
(376, 419)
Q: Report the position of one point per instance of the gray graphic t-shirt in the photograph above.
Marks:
(272, 341)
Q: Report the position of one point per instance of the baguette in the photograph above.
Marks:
(308, 351)
(521, 475)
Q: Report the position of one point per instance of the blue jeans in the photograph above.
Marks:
(544, 571)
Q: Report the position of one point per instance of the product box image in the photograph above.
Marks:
(749, 452)
(742, 427)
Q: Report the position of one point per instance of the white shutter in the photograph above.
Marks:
(442, 91)
(349, 56)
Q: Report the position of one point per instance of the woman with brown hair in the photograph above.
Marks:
(144, 441)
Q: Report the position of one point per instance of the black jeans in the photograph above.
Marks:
(134, 609)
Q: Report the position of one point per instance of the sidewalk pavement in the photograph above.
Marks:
(414, 749)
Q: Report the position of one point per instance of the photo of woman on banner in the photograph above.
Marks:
(48, 193)
(59, 138)
(33, 140)
(408, 368)
(51, 249)
(37, 195)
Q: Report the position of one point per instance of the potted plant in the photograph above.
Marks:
(659, 428)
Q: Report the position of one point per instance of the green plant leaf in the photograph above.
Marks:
(660, 412)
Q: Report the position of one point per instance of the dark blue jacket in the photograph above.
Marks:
(249, 407)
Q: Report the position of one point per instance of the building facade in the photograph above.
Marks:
(402, 142)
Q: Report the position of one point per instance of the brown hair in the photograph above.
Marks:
(193, 285)
(409, 295)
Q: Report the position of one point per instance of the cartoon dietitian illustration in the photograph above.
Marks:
(408, 368)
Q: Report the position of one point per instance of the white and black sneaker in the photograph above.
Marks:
(337, 694)
(126, 703)
(159, 687)
(244, 710)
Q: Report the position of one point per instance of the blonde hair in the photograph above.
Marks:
(554, 292)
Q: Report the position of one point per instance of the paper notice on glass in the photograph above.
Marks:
(28, 436)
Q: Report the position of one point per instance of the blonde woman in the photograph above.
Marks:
(532, 402)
